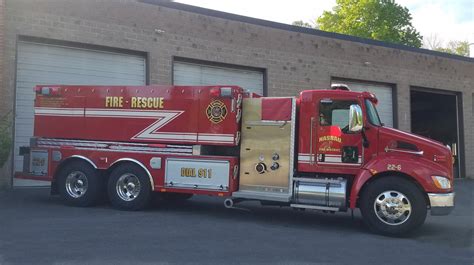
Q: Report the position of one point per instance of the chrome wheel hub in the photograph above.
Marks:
(76, 184)
(392, 207)
(128, 187)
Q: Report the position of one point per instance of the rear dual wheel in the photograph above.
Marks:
(129, 187)
(79, 184)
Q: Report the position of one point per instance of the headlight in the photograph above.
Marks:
(441, 182)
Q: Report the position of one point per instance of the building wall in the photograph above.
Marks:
(5, 95)
(293, 61)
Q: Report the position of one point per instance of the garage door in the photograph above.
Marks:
(200, 74)
(48, 64)
(383, 93)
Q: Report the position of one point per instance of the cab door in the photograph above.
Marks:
(336, 146)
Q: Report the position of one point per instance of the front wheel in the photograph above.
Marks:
(129, 187)
(393, 206)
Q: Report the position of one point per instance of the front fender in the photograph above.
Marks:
(417, 168)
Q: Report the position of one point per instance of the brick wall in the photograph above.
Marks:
(294, 61)
(5, 171)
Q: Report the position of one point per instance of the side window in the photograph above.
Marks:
(335, 113)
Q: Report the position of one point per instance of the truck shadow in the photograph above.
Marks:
(253, 212)
(432, 232)
(444, 231)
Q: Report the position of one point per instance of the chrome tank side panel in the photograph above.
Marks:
(264, 142)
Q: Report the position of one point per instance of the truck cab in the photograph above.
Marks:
(341, 134)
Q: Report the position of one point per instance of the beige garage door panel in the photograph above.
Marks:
(198, 74)
(49, 64)
(383, 93)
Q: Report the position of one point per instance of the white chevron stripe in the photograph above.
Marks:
(162, 117)
(73, 112)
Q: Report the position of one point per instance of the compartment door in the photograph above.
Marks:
(266, 157)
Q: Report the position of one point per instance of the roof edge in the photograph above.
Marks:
(298, 29)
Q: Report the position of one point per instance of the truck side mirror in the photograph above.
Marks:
(355, 118)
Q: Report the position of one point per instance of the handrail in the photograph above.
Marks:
(420, 153)
(311, 155)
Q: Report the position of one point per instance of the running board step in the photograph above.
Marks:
(263, 196)
(315, 207)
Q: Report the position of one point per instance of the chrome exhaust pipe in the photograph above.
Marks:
(228, 203)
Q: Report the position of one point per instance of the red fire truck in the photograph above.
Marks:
(324, 150)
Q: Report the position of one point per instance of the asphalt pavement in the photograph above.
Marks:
(36, 228)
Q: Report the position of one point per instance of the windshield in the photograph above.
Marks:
(372, 113)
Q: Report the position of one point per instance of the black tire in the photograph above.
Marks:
(73, 177)
(388, 223)
(175, 197)
(122, 194)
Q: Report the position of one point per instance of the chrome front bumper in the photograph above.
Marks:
(441, 203)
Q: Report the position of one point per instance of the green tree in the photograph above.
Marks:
(301, 23)
(5, 139)
(455, 47)
(382, 20)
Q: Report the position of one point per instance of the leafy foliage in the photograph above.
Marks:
(382, 20)
(455, 47)
(5, 138)
(301, 23)
(435, 43)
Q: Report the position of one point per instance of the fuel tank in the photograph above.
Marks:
(329, 193)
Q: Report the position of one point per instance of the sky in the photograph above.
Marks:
(445, 20)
